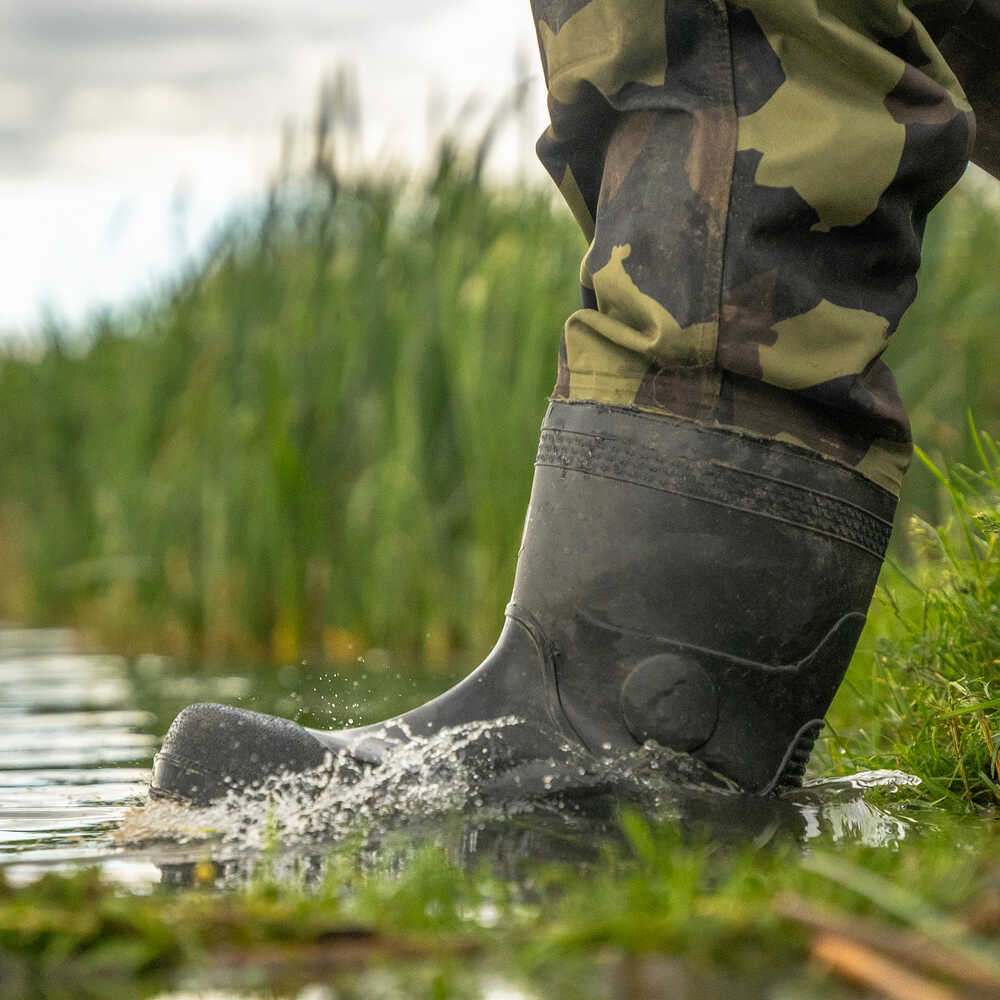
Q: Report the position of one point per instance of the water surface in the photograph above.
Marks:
(78, 731)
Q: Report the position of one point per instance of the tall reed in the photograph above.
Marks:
(321, 438)
(325, 432)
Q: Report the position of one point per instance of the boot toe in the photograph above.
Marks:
(211, 749)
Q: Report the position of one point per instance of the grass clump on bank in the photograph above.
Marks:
(926, 697)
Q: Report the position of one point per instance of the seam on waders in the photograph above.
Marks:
(721, 6)
(713, 286)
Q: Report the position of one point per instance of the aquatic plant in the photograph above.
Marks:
(319, 441)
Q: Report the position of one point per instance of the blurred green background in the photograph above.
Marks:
(320, 438)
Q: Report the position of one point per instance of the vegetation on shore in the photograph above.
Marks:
(320, 438)
(923, 691)
(714, 919)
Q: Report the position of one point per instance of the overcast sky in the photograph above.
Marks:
(113, 111)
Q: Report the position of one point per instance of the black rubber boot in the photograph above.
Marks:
(675, 583)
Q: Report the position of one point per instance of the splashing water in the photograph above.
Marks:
(429, 779)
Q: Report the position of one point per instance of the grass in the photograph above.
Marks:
(747, 916)
(320, 438)
(923, 695)
(324, 433)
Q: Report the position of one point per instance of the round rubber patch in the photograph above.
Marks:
(670, 699)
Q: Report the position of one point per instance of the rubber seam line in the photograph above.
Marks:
(602, 439)
(640, 459)
(738, 661)
(804, 489)
(550, 678)
(691, 426)
(725, 506)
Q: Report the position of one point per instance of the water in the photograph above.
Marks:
(78, 731)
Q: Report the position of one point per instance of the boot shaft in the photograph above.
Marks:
(695, 586)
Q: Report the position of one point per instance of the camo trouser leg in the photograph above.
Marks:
(753, 178)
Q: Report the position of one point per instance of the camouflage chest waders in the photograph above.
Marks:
(753, 178)
(718, 469)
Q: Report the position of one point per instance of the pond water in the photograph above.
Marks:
(78, 732)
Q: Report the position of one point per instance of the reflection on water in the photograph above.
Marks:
(73, 750)
(77, 734)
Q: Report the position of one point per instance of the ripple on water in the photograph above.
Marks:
(74, 755)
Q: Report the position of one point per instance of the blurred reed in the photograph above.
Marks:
(321, 438)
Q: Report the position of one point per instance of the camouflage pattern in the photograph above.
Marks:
(753, 178)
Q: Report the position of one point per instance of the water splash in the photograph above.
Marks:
(842, 810)
(430, 780)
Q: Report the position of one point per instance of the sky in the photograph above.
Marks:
(130, 128)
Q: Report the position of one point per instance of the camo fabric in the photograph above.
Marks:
(753, 178)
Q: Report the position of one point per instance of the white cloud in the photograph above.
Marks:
(112, 103)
